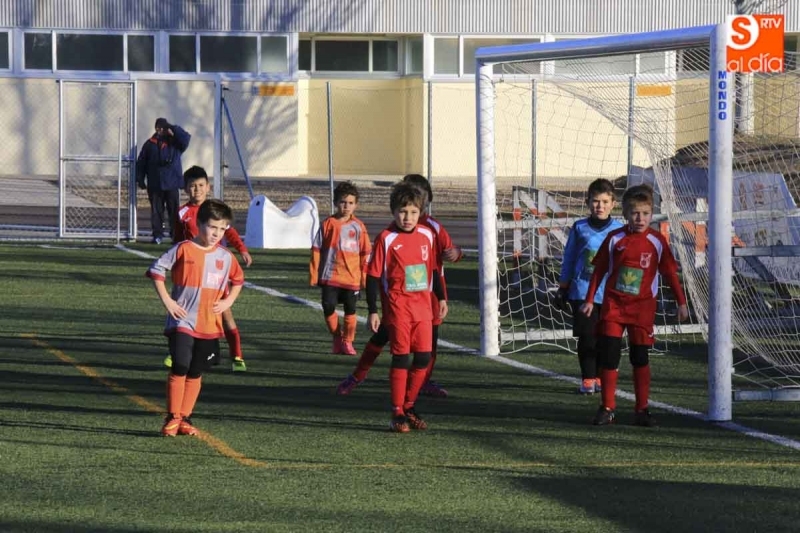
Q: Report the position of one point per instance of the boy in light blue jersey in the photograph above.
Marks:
(584, 239)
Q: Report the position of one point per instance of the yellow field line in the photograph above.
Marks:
(219, 446)
(225, 450)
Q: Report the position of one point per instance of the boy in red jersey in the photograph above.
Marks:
(630, 261)
(403, 269)
(201, 272)
(446, 250)
(197, 188)
(338, 265)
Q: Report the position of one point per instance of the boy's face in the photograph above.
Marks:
(346, 206)
(197, 191)
(639, 216)
(406, 217)
(601, 205)
(212, 232)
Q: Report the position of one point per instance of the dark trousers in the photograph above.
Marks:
(159, 202)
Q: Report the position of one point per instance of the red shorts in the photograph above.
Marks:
(410, 337)
(638, 335)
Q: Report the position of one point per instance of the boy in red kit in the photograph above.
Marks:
(201, 273)
(446, 250)
(403, 269)
(338, 265)
(197, 188)
(630, 260)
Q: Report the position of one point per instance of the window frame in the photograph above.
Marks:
(10, 33)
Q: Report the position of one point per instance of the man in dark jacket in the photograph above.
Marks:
(159, 170)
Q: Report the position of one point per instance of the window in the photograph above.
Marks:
(653, 63)
(228, 54)
(38, 51)
(350, 55)
(445, 55)
(791, 52)
(4, 50)
(182, 53)
(344, 56)
(471, 45)
(414, 55)
(597, 66)
(304, 54)
(693, 60)
(274, 54)
(141, 53)
(75, 51)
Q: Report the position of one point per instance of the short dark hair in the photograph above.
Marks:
(420, 181)
(405, 193)
(638, 194)
(600, 186)
(346, 188)
(194, 173)
(213, 209)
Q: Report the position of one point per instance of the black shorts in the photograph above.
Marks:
(195, 354)
(582, 325)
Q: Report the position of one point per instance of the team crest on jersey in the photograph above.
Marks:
(220, 264)
(424, 250)
(644, 260)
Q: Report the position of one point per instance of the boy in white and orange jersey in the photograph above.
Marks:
(338, 264)
(185, 228)
(201, 272)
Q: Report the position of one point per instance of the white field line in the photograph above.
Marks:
(732, 426)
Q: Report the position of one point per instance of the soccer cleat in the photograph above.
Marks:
(156, 240)
(598, 386)
(587, 387)
(347, 386)
(604, 417)
(414, 420)
(399, 424)
(431, 388)
(337, 345)
(346, 348)
(186, 428)
(644, 418)
(238, 365)
(171, 425)
(168, 361)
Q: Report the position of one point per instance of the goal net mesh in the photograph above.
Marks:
(644, 118)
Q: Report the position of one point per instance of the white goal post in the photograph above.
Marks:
(721, 117)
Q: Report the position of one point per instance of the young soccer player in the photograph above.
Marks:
(338, 265)
(403, 269)
(201, 272)
(197, 188)
(632, 258)
(584, 239)
(447, 250)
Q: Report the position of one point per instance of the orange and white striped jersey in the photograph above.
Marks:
(339, 254)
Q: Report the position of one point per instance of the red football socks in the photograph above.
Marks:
(608, 394)
(641, 386)
(368, 356)
(398, 383)
(234, 343)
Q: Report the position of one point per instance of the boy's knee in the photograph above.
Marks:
(328, 308)
(639, 355)
(609, 352)
(422, 359)
(178, 369)
(401, 361)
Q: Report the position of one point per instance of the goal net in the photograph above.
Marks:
(561, 118)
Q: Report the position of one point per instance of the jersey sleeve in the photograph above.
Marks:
(568, 262)
(365, 251)
(668, 267)
(236, 274)
(235, 240)
(377, 258)
(158, 270)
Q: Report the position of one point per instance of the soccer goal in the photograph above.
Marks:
(722, 152)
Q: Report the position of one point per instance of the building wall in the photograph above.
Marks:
(377, 16)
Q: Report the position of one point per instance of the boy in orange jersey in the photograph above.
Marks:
(630, 261)
(446, 250)
(201, 273)
(338, 262)
(402, 269)
(197, 188)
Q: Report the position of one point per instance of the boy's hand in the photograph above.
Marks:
(222, 305)
(451, 254)
(587, 308)
(683, 312)
(561, 301)
(373, 322)
(175, 311)
(247, 258)
(442, 309)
